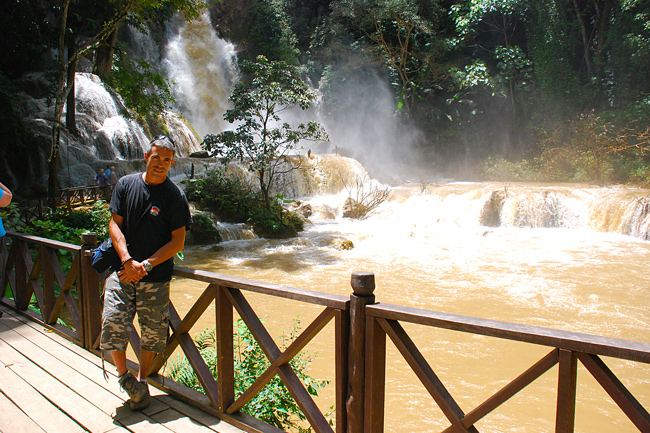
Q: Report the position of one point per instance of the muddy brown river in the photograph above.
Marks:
(563, 257)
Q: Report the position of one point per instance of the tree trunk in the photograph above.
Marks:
(586, 41)
(71, 117)
(104, 60)
(52, 166)
(603, 10)
(264, 189)
(66, 71)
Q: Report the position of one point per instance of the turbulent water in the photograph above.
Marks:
(202, 68)
(561, 256)
(565, 257)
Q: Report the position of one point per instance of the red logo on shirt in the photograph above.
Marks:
(155, 210)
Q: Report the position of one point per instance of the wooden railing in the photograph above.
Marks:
(32, 212)
(360, 330)
(83, 195)
(35, 283)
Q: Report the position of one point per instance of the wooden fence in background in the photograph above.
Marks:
(83, 195)
(34, 276)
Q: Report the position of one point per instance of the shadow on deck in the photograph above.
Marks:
(48, 384)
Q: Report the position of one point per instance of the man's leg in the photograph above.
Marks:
(119, 359)
(146, 360)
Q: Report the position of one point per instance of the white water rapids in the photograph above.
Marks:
(560, 256)
(585, 271)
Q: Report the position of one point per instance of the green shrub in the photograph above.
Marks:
(501, 169)
(203, 230)
(225, 194)
(232, 199)
(11, 218)
(273, 404)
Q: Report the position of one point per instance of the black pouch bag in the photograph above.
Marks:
(105, 257)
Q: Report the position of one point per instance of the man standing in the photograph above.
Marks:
(147, 227)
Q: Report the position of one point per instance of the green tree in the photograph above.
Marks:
(144, 90)
(261, 140)
(404, 35)
(258, 27)
(497, 21)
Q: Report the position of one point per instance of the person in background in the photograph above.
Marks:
(5, 199)
(102, 182)
(111, 175)
(101, 179)
(147, 227)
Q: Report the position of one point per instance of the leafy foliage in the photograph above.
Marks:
(225, 194)
(273, 404)
(232, 199)
(264, 25)
(11, 218)
(144, 90)
(403, 35)
(261, 139)
(68, 226)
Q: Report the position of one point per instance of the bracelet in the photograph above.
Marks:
(126, 261)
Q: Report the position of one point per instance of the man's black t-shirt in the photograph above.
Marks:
(151, 213)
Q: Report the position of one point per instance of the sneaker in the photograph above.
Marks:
(138, 391)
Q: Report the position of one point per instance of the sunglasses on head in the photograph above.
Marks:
(163, 137)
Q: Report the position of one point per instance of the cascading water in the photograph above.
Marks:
(203, 68)
(101, 124)
(563, 256)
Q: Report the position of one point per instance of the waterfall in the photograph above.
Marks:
(100, 122)
(235, 232)
(620, 210)
(203, 68)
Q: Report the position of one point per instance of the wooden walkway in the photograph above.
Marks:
(48, 384)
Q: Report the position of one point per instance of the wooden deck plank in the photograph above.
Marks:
(98, 396)
(138, 422)
(31, 326)
(206, 419)
(178, 422)
(87, 415)
(41, 411)
(15, 420)
(59, 371)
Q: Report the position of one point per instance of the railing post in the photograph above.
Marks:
(225, 350)
(363, 286)
(89, 295)
(566, 392)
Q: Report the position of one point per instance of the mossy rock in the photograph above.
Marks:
(203, 231)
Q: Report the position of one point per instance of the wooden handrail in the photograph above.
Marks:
(361, 328)
(567, 340)
(308, 296)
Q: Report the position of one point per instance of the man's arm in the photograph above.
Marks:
(134, 270)
(117, 237)
(167, 251)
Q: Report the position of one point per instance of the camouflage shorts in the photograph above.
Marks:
(122, 301)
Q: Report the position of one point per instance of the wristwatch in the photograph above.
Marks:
(147, 265)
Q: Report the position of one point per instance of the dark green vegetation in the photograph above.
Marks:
(232, 199)
(63, 226)
(60, 224)
(503, 89)
(546, 90)
(273, 404)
